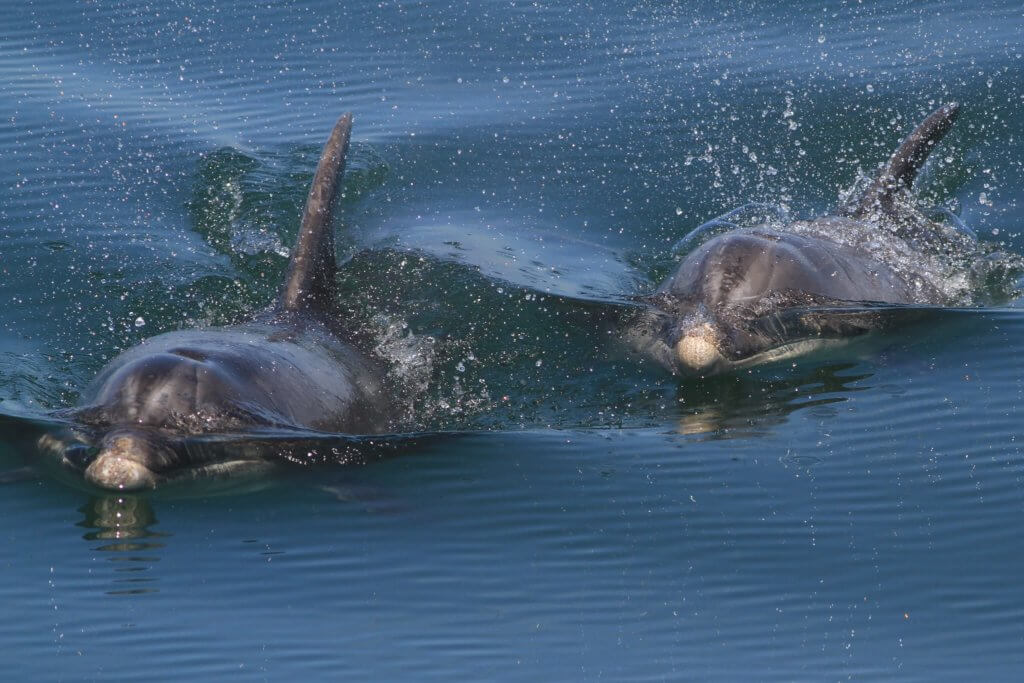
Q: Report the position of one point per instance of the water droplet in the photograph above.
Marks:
(140, 321)
(539, 363)
(869, 88)
(821, 38)
(461, 367)
(679, 211)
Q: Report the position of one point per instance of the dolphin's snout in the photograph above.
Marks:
(121, 465)
(119, 474)
(698, 348)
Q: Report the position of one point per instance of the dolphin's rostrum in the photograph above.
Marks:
(293, 367)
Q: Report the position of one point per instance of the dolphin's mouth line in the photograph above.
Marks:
(788, 350)
(140, 459)
(698, 356)
(209, 471)
(728, 341)
(178, 459)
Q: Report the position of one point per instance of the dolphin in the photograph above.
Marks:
(767, 292)
(293, 367)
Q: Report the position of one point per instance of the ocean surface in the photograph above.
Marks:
(518, 171)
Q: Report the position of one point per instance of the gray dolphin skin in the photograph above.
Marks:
(293, 367)
(748, 295)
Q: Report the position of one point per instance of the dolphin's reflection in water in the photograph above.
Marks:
(741, 405)
(123, 524)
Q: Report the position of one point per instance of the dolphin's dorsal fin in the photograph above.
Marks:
(903, 165)
(309, 284)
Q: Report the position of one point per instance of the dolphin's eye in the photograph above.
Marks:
(79, 455)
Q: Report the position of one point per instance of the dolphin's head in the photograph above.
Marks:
(744, 297)
(699, 318)
(141, 407)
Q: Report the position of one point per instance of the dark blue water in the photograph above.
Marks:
(517, 171)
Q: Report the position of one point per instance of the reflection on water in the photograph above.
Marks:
(750, 404)
(122, 524)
